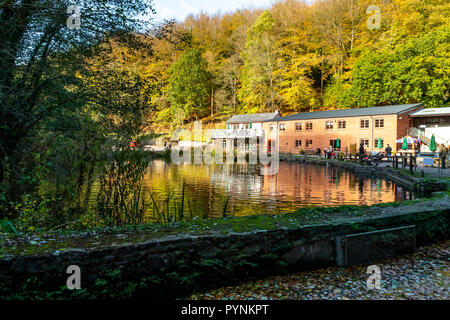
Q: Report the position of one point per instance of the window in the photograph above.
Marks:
(308, 143)
(329, 125)
(342, 124)
(298, 126)
(298, 143)
(309, 126)
(364, 124)
(379, 123)
(365, 142)
(375, 143)
(245, 126)
(270, 145)
(272, 126)
(333, 144)
(282, 127)
(432, 122)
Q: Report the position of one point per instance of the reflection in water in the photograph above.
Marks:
(208, 186)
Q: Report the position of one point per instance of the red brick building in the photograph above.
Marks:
(310, 131)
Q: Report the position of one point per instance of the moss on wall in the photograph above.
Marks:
(174, 266)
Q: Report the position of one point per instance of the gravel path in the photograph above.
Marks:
(423, 275)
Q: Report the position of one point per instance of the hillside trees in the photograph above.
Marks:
(169, 42)
(417, 70)
(189, 86)
(298, 55)
(233, 34)
(259, 81)
(301, 56)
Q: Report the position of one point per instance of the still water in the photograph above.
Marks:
(208, 186)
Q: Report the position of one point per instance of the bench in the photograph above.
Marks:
(428, 161)
(311, 152)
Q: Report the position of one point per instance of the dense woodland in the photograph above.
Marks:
(297, 57)
(71, 100)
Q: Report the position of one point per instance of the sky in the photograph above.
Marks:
(180, 9)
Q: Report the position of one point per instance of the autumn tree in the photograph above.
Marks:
(259, 81)
(298, 53)
(169, 41)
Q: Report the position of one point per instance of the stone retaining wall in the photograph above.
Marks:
(178, 265)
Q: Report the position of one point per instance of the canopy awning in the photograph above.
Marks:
(409, 140)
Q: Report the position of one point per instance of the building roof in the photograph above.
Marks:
(358, 112)
(255, 117)
(434, 112)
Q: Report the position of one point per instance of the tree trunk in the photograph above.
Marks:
(14, 21)
(212, 101)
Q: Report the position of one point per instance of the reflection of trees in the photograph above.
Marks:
(352, 182)
(208, 186)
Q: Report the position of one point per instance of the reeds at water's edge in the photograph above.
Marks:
(176, 212)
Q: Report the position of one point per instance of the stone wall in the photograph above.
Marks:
(178, 265)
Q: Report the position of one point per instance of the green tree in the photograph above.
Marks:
(189, 86)
(50, 136)
(416, 71)
(39, 60)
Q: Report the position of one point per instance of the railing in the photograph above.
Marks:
(357, 248)
(425, 136)
(438, 138)
(236, 133)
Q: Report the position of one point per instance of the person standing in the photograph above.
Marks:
(443, 155)
(388, 151)
(361, 152)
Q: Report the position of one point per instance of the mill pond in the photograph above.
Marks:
(243, 191)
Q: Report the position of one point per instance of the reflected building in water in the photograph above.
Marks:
(208, 186)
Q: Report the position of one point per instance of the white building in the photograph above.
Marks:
(426, 122)
(244, 126)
